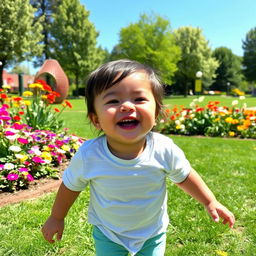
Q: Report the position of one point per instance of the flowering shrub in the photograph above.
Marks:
(35, 107)
(210, 120)
(27, 152)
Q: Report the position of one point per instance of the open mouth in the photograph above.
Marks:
(128, 123)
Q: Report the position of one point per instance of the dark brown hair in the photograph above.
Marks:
(112, 73)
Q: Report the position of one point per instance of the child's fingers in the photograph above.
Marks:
(59, 235)
(227, 217)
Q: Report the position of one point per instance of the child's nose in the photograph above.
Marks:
(127, 106)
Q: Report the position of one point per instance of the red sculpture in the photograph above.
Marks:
(52, 67)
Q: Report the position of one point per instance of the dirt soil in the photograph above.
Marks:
(36, 189)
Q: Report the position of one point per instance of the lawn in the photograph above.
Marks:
(227, 166)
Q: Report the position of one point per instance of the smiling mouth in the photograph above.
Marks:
(128, 123)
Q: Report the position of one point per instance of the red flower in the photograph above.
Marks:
(21, 112)
(56, 109)
(68, 104)
(16, 118)
(199, 109)
(3, 96)
(47, 88)
(17, 99)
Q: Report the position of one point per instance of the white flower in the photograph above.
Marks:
(182, 127)
(234, 102)
(9, 166)
(241, 98)
(192, 104)
(244, 105)
(15, 148)
(177, 122)
(200, 99)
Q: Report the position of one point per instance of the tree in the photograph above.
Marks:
(150, 41)
(17, 69)
(195, 56)
(74, 40)
(43, 14)
(19, 37)
(249, 58)
(229, 70)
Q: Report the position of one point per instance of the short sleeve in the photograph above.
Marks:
(73, 176)
(179, 165)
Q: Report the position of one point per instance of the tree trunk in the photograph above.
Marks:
(1, 74)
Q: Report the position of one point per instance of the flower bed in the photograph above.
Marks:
(32, 143)
(210, 120)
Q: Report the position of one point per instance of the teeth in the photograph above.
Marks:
(127, 121)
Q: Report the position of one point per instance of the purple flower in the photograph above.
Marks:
(12, 176)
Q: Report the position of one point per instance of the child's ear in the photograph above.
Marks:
(94, 119)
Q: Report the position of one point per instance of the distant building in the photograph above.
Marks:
(13, 80)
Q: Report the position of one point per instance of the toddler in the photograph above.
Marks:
(126, 168)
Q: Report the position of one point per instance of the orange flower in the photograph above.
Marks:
(68, 104)
(56, 109)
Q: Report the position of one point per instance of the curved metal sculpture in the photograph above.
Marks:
(52, 67)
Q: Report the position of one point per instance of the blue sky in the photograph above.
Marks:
(224, 22)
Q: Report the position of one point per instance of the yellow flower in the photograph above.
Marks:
(240, 128)
(44, 97)
(21, 157)
(36, 85)
(27, 102)
(75, 146)
(46, 155)
(235, 121)
(231, 134)
(27, 93)
(6, 86)
(229, 120)
(65, 147)
(221, 253)
(46, 148)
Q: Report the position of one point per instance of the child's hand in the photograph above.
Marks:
(51, 227)
(217, 211)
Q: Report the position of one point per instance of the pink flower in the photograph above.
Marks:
(23, 169)
(30, 177)
(37, 159)
(12, 176)
(9, 133)
(1, 167)
(23, 141)
(17, 126)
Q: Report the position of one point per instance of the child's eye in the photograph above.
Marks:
(140, 99)
(112, 101)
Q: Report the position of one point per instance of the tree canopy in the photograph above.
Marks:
(74, 39)
(196, 56)
(150, 41)
(229, 70)
(19, 35)
(249, 58)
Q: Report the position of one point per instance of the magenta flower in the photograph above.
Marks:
(12, 176)
(17, 126)
(37, 159)
(30, 177)
(1, 167)
(23, 169)
(9, 133)
(5, 118)
(23, 141)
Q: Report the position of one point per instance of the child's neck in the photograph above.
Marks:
(129, 151)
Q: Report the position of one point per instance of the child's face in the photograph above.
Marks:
(126, 111)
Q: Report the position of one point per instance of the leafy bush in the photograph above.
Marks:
(210, 120)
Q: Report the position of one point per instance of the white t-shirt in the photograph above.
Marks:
(128, 199)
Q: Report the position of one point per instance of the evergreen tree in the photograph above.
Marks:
(19, 35)
(249, 58)
(229, 70)
(150, 41)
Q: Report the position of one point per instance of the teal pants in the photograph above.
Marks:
(154, 246)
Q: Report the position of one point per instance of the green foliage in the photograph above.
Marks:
(195, 56)
(229, 70)
(19, 35)
(249, 58)
(150, 41)
(74, 40)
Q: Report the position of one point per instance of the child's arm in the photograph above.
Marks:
(195, 186)
(55, 223)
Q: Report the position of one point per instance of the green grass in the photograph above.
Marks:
(227, 166)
